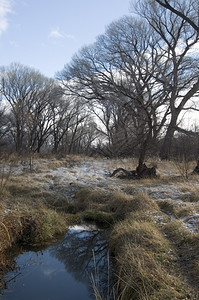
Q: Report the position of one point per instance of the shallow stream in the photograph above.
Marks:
(63, 271)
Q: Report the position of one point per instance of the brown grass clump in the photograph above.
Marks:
(192, 193)
(143, 202)
(122, 204)
(142, 277)
(140, 233)
(146, 250)
(90, 195)
(50, 224)
(177, 231)
(101, 218)
(167, 206)
(187, 248)
(194, 259)
(30, 226)
(25, 221)
(102, 207)
(26, 226)
(143, 263)
(21, 190)
(184, 211)
(52, 162)
(87, 198)
(117, 204)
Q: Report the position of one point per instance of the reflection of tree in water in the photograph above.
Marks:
(84, 252)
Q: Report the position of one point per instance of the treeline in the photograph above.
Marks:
(36, 115)
(123, 95)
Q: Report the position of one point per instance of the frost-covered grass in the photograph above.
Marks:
(154, 222)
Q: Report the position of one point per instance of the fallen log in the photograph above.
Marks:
(135, 174)
(126, 172)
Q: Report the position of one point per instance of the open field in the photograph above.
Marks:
(154, 223)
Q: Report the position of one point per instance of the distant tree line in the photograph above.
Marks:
(36, 115)
(123, 95)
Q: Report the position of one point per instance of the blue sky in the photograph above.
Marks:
(45, 34)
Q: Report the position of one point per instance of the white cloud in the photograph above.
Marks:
(69, 36)
(56, 33)
(5, 9)
(13, 43)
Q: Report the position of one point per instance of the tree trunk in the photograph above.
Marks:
(18, 139)
(142, 155)
(166, 147)
(143, 151)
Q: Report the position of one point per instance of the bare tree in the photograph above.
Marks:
(121, 68)
(114, 125)
(28, 94)
(179, 8)
(180, 77)
(76, 131)
(4, 125)
(63, 119)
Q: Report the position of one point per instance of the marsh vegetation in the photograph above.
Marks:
(153, 223)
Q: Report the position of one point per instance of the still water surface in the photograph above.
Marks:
(62, 271)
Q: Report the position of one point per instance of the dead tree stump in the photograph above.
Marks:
(145, 172)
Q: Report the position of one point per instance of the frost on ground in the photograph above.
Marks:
(95, 174)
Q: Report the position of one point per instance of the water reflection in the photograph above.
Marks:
(63, 271)
(84, 251)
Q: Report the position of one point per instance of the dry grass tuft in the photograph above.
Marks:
(187, 249)
(101, 218)
(119, 204)
(178, 232)
(88, 199)
(184, 211)
(144, 234)
(142, 277)
(122, 204)
(50, 223)
(143, 202)
(51, 162)
(192, 192)
(143, 263)
(116, 203)
(145, 245)
(17, 189)
(90, 195)
(167, 206)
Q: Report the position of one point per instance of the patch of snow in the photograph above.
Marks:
(83, 227)
(192, 222)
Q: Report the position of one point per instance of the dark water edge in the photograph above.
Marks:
(64, 270)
